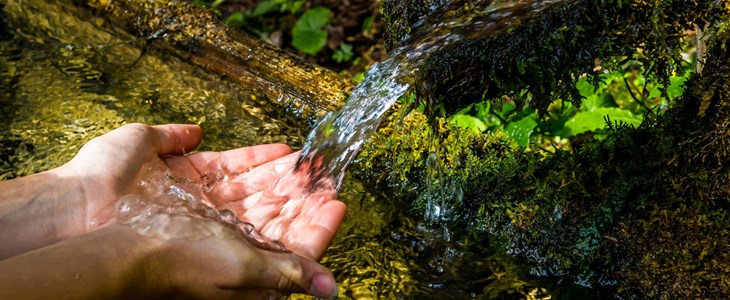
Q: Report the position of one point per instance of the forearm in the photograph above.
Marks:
(36, 211)
(110, 263)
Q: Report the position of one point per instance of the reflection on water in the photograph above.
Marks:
(64, 82)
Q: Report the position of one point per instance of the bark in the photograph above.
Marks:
(197, 35)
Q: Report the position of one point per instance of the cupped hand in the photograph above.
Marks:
(261, 187)
(213, 262)
(106, 167)
(304, 221)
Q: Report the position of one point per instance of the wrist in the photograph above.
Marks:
(70, 217)
(36, 211)
(147, 258)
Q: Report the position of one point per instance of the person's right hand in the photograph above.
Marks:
(213, 262)
(271, 196)
(260, 189)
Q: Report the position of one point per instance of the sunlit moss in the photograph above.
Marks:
(640, 214)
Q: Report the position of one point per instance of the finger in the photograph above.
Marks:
(137, 143)
(260, 178)
(239, 160)
(317, 231)
(290, 273)
(175, 139)
(246, 158)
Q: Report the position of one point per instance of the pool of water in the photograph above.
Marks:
(65, 80)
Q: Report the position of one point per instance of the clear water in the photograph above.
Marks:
(168, 207)
(336, 139)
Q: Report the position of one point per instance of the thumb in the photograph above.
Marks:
(292, 273)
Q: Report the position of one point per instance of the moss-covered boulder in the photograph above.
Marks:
(640, 214)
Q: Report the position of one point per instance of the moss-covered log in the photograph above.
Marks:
(199, 36)
(641, 214)
(545, 53)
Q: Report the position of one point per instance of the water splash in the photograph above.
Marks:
(337, 138)
(171, 208)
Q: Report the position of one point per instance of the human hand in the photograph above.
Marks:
(304, 221)
(117, 262)
(273, 197)
(211, 261)
(106, 167)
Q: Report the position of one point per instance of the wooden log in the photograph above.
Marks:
(197, 35)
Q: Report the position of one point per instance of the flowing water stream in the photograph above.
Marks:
(337, 138)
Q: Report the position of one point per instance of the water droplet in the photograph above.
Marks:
(228, 216)
(557, 213)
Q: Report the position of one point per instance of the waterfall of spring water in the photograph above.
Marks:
(336, 139)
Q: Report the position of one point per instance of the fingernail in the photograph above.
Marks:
(323, 286)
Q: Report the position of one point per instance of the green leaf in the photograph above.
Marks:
(265, 7)
(343, 54)
(236, 19)
(596, 98)
(359, 77)
(594, 120)
(217, 2)
(292, 6)
(307, 34)
(309, 41)
(521, 130)
(676, 85)
(313, 19)
(467, 121)
(367, 24)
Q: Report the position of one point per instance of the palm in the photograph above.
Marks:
(304, 222)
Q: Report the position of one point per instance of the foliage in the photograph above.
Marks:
(307, 34)
(620, 96)
(540, 61)
(346, 39)
(343, 54)
(602, 216)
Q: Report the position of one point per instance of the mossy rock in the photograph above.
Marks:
(640, 214)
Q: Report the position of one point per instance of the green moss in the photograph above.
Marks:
(544, 55)
(397, 155)
(641, 214)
